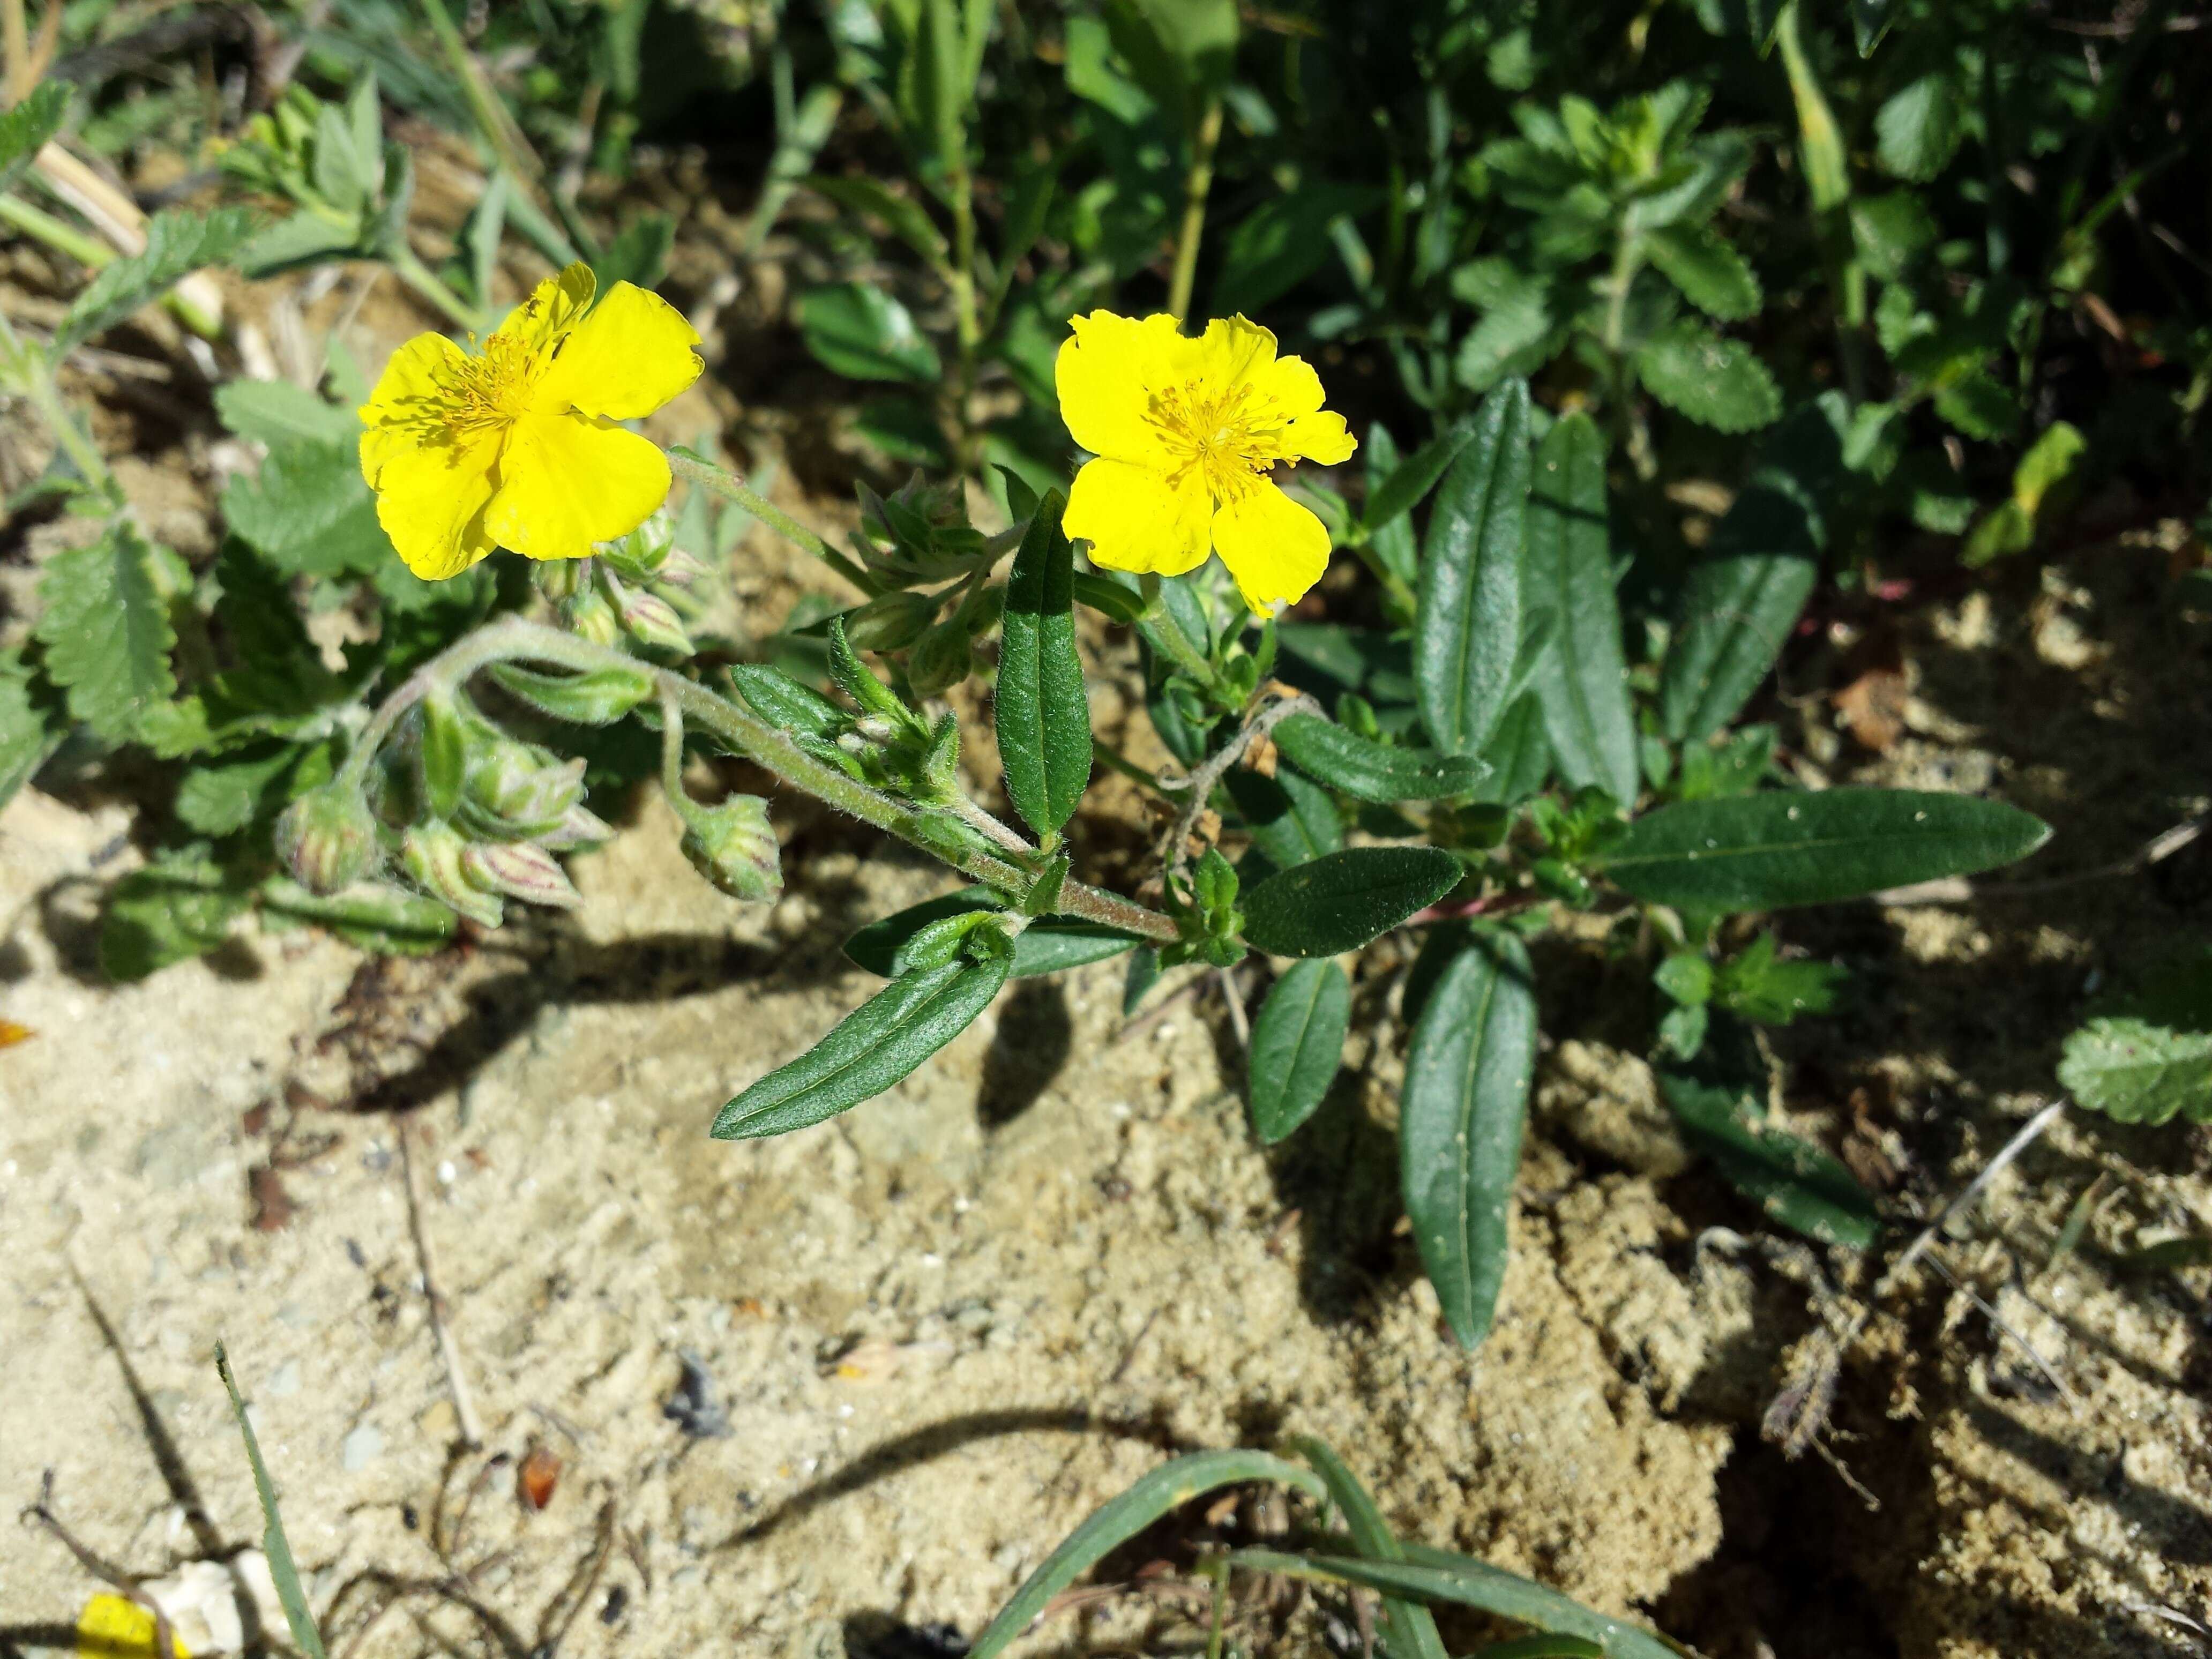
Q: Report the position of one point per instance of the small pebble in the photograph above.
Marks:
(362, 1447)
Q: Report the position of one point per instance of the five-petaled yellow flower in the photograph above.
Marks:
(1186, 433)
(518, 447)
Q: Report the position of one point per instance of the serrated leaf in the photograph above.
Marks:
(1469, 623)
(2139, 1073)
(27, 738)
(1717, 382)
(1340, 901)
(1792, 1180)
(1706, 266)
(1165, 1489)
(309, 513)
(1762, 985)
(1050, 945)
(1292, 821)
(1464, 1106)
(872, 1048)
(1041, 708)
(861, 332)
(1297, 1042)
(1372, 771)
(25, 129)
(1917, 130)
(1812, 847)
(1978, 406)
(1512, 337)
(278, 413)
(1891, 232)
(1582, 683)
(223, 798)
(177, 244)
(107, 631)
(1743, 598)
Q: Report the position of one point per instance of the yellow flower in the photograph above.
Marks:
(518, 447)
(1186, 433)
(111, 1627)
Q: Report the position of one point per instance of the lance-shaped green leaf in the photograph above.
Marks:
(1043, 718)
(1744, 597)
(1519, 753)
(863, 333)
(1409, 1627)
(1582, 680)
(1793, 1181)
(1339, 903)
(1166, 1488)
(907, 217)
(1297, 1043)
(1293, 820)
(1465, 1103)
(177, 244)
(1812, 847)
(781, 700)
(597, 696)
(25, 129)
(1047, 946)
(1469, 630)
(1374, 771)
(873, 1047)
(276, 1548)
(1400, 490)
(107, 631)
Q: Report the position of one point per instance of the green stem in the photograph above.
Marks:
(1196, 184)
(419, 276)
(32, 375)
(971, 333)
(1627, 260)
(742, 732)
(1117, 762)
(493, 121)
(95, 255)
(696, 468)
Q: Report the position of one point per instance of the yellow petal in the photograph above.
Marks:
(551, 310)
(1321, 436)
(408, 408)
(430, 501)
(566, 481)
(1108, 374)
(1291, 382)
(112, 1627)
(629, 356)
(1138, 518)
(1275, 548)
(1234, 351)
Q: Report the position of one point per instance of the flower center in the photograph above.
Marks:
(489, 391)
(1233, 435)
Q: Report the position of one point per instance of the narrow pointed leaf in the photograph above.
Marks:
(1582, 681)
(1339, 903)
(1465, 1105)
(1793, 1182)
(872, 1047)
(1047, 946)
(1401, 490)
(283, 1571)
(1043, 719)
(1293, 820)
(1804, 847)
(1166, 1488)
(1374, 771)
(1469, 624)
(1297, 1043)
(1409, 1628)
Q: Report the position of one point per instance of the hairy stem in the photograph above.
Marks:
(419, 277)
(739, 730)
(25, 369)
(696, 468)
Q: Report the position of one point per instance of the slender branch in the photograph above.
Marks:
(1207, 773)
(1197, 184)
(697, 470)
(2012, 1149)
(464, 1405)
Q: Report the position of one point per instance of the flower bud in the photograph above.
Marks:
(589, 616)
(519, 870)
(682, 569)
(651, 620)
(561, 579)
(433, 855)
(519, 792)
(941, 660)
(889, 622)
(327, 838)
(645, 550)
(581, 828)
(733, 846)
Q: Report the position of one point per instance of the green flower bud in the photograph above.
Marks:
(433, 855)
(680, 569)
(561, 579)
(941, 660)
(516, 792)
(579, 829)
(889, 622)
(519, 870)
(644, 550)
(651, 620)
(327, 838)
(733, 846)
(587, 614)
